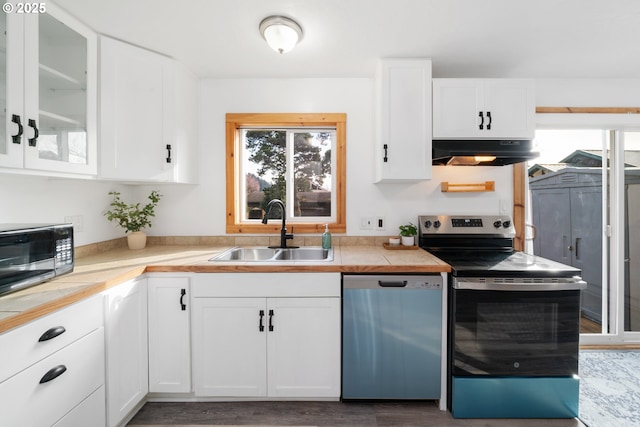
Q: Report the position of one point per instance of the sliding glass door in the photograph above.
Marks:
(584, 210)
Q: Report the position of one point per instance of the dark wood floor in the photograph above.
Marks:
(334, 414)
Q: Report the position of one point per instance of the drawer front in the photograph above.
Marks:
(91, 412)
(27, 402)
(22, 348)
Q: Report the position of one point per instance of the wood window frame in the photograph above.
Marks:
(234, 121)
(520, 169)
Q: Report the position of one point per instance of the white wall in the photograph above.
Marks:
(34, 199)
(200, 210)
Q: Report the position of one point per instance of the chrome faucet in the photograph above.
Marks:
(283, 231)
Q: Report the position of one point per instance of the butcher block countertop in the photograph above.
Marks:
(96, 273)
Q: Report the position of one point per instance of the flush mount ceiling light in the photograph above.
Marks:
(280, 32)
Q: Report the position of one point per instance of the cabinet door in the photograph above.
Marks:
(133, 129)
(126, 342)
(456, 105)
(304, 347)
(11, 90)
(512, 106)
(405, 116)
(483, 108)
(229, 347)
(169, 335)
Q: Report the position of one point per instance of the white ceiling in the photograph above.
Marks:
(344, 38)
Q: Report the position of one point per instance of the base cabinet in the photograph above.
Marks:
(51, 366)
(262, 342)
(169, 338)
(126, 349)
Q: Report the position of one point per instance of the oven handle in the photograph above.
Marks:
(519, 286)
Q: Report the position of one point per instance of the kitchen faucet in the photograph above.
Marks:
(283, 231)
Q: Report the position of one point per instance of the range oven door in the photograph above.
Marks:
(514, 333)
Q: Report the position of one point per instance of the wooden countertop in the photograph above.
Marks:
(96, 273)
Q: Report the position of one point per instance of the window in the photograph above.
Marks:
(297, 158)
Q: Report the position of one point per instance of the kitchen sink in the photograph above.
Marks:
(263, 254)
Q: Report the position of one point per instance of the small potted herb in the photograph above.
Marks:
(407, 234)
(133, 218)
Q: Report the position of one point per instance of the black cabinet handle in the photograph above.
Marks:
(490, 120)
(36, 133)
(271, 320)
(52, 333)
(260, 324)
(53, 374)
(482, 122)
(168, 153)
(386, 157)
(392, 284)
(576, 246)
(183, 306)
(17, 138)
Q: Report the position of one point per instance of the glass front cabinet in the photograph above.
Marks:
(48, 92)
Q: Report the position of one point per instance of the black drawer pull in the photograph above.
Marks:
(53, 374)
(52, 333)
(392, 284)
(271, 320)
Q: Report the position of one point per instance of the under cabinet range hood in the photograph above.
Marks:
(482, 152)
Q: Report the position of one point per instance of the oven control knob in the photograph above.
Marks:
(427, 224)
(506, 224)
(497, 224)
(436, 223)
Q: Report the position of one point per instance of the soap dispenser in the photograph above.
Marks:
(326, 238)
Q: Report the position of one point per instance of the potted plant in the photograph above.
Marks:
(133, 218)
(407, 234)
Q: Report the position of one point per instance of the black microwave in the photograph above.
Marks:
(33, 253)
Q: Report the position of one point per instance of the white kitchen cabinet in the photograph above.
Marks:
(404, 103)
(126, 349)
(267, 335)
(483, 108)
(48, 91)
(147, 115)
(169, 334)
(55, 365)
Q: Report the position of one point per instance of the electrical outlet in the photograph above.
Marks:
(379, 223)
(366, 223)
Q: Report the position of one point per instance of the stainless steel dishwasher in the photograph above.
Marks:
(391, 336)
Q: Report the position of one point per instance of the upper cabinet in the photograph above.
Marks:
(48, 91)
(483, 108)
(147, 115)
(404, 116)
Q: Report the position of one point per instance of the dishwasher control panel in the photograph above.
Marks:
(423, 281)
(424, 284)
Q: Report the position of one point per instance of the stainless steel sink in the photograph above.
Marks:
(263, 254)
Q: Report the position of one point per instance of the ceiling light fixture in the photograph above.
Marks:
(280, 32)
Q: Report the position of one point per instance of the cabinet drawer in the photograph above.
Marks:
(24, 345)
(27, 402)
(91, 412)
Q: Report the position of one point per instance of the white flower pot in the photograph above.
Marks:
(408, 240)
(136, 240)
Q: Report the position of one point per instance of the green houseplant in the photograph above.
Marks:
(408, 233)
(133, 218)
